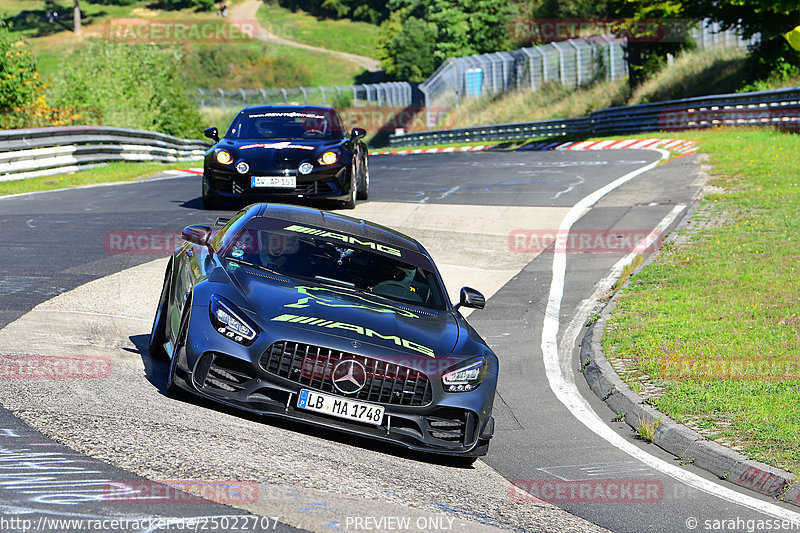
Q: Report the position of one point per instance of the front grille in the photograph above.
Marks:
(313, 366)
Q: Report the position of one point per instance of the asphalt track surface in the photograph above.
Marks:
(54, 242)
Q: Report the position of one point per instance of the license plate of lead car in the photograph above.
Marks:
(340, 407)
(278, 182)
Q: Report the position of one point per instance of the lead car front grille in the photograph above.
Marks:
(313, 367)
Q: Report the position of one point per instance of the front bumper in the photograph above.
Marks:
(430, 420)
(326, 183)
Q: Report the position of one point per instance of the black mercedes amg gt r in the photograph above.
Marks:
(286, 152)
(330, 320)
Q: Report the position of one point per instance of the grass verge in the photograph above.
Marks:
(113, 172)
(344, 35)
(714, 321)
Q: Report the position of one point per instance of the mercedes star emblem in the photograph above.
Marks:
(349, 376)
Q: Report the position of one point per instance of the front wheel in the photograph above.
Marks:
(350, 203)
(180, 345)
(158, 333)
(363, 192)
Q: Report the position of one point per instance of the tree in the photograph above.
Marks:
(646, 54)
(76, 17)
(419, 36)
(772, 57)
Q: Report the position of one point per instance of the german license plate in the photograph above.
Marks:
(340, 407)
(277, 182)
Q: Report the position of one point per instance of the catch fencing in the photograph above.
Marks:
(390, 94)
(47, 151)
(571, 63)
(779, 108)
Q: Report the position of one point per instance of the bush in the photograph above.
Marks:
(128, 86)
(19, 78)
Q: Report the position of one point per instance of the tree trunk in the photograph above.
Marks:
(76, 17)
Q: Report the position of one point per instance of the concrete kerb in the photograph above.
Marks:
(685, 444)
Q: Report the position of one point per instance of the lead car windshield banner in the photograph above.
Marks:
(247, 238)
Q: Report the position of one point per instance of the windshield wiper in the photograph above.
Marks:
(333, 281)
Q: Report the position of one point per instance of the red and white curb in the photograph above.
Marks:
(449, 149)
(184, 171)
(675, 145)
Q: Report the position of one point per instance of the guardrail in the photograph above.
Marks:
(56, 150)
(779, 108)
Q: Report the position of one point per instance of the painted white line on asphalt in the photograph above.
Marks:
(568, 394)
(17, 195)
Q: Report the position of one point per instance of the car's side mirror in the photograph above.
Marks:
(358, 133)
(212, 133)
(221, 221)
(197, 234)
(471, 298)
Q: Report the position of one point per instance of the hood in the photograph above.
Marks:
(278, 154)
(377, 324)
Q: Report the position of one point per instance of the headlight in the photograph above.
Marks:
(227, 320)
(223, 157)
(242, 167)
(465, 378)
(329, 158)
(306, 168)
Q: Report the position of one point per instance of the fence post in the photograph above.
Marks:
(202, 100)
(244, 96)
(264, 95)
(222, 98)
(305, 95)
(560, 63)
(285, 96)
(322, 89)
(579, 74)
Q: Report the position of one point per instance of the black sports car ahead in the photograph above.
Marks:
(330, 320)
(285, 152)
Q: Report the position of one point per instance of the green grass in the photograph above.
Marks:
(113, 172)
(360, 38)
(715, 320)
(326, 69)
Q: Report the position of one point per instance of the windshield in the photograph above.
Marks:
(286, 124)
(335, 263)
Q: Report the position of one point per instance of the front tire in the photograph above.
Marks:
(211, 201)
(158, 332)
(363, 192)
(180, 344)
(350, 203)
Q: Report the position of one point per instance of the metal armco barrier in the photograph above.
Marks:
(56, 150)
(779, 108)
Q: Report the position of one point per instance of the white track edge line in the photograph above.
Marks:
(568, 394)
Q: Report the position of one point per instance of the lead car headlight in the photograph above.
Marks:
(466, 377)
(228, 321)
